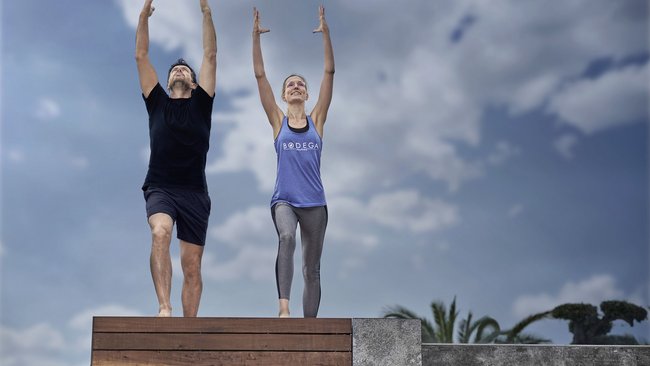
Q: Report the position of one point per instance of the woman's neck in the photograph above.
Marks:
(296, 112)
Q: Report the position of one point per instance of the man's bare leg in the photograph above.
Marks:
(191, 255)
(160, 261)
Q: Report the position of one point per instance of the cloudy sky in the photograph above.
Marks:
(496, 151)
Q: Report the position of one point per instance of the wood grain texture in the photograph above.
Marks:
(222, 342)
(128, 341)
(178, 358)
(221, 325)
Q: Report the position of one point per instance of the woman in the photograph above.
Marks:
(299, 197)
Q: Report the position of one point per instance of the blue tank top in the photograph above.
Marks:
(298, 180)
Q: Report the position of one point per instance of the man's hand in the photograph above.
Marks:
(148, 9)
(322, 27)
(256, 23)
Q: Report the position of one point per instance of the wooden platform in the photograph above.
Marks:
(221, 341)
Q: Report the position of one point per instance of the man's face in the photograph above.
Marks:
(180, 74)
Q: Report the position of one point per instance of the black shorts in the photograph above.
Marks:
(190, 211)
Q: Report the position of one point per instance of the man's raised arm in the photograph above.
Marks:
(146, 72)
(208, 72)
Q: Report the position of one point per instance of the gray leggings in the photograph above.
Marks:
(313, 221)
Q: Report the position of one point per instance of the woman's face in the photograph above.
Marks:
(295, 89)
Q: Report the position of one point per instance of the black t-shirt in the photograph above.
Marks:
(179, 138)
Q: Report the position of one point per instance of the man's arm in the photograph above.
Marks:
(208, 73)
(273, 112)
(319, 113)
(146, 72)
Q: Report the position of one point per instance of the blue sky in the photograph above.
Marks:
(493, 151)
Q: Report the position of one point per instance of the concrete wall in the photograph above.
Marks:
(386, 342)
(533, 355)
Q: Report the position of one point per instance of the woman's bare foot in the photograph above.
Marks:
(165, 312)
(284, 309)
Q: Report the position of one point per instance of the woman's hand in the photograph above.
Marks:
(256, 23)
(322, 27)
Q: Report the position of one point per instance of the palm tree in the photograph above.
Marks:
(515, 335)
(445, 323)
(467, 328)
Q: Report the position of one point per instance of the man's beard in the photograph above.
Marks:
(180, 83)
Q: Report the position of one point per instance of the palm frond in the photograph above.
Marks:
(519, 327)
(484, 323)
(466, 328)
(400, 312)
(440, 318)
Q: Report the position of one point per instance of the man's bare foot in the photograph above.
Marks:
(284, 315)
(165, 313)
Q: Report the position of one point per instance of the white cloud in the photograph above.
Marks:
(172, 24)
(565, 145)
(349, 223)
(39, 344)
(617, 97)
(47, 109)
(593, 291)
(42, 344)
(252, 234)
(40, 336)
(249, 145)
(251, 227)
(82, 321)
(533, 92)
(357, 223)
(502, 153)
(250, 263)
(408, 210)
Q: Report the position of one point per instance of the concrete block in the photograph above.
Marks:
(386, 342)
(537, 355)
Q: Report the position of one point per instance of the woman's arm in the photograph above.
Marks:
(319, 113)
(273, 112)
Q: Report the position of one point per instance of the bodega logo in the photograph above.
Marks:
(300, 146)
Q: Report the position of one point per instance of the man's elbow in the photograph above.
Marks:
(210, 55)
(141, 56)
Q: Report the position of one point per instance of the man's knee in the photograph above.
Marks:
(161, 233)
(161, 228)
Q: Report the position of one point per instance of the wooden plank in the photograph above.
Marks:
(222, 325)
(178, 358)
(221, 342)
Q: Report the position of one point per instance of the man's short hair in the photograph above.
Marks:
(181, 61)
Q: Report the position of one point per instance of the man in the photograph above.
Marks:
(175, 187)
